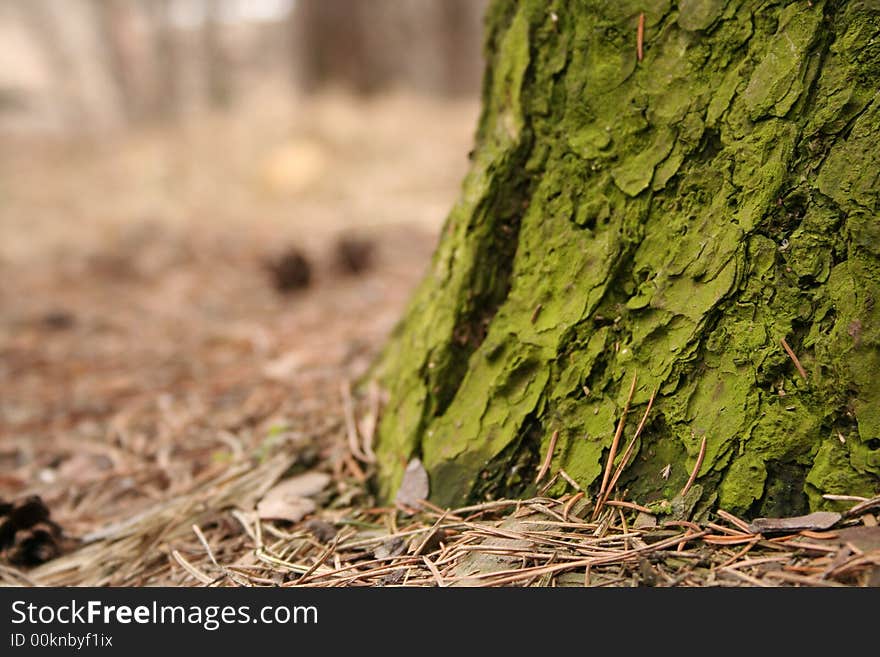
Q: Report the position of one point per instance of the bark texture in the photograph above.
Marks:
(673, 218)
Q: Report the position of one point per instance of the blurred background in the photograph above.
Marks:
(164, 105)
(212, 213)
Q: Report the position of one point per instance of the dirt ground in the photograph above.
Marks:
(185, 422)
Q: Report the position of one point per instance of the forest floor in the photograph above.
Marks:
(186, 422)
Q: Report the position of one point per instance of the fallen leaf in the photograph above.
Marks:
(290, 499)
(414, 486)
(303, 485)
(815, 521)
(291, 508)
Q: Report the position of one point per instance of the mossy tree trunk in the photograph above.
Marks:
(674, 218)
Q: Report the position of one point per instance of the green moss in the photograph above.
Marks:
(699, 14)
(674, 218)
(743, 482)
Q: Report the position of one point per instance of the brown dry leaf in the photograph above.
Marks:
(814, 521)
(414, 486)
(290, 499)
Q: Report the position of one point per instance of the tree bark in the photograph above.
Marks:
(673, 219)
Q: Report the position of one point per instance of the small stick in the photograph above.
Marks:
(429, 535)
(369, 431)
(640, 37)
(720, 539)
(319, 561)
(549, 484)
(629, 505)
(192, 570)
(436, 573)
(626, 454)
(546, 465)
(845, 498)
(797, 363)
(354, 440)
(204, 542)
(568, 505)
(733, 520)
(616, 441)
(819, 536)
(727, 530)
(536, 312)
(629, 448)
(568, 478)
(696, 469)
(682, 523)
(353, 467)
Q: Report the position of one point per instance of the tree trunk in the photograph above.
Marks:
(167, 60)
(676, 219)
(216, 58)
(371, 46)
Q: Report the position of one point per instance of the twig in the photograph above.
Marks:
(640, 37)
(739, 555)
(845, 498)
(566, 510)
(722, 539)
(616, 441)
(727, 530)
(418, 551)
(192, 570)
(536, 312)
(693, 477)
(354, 441)
(797, 363)
(863, 506)
(371, 422)
(570, 480)
(434, 571)
(549, 457)
(204, 543)
(319, 561)
(629, 505)
(733, 520)
(543, 489)
(626, 454)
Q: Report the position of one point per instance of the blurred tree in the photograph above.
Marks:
(115, 24)
(216, 58)
(704, 218)
(432, 46)
(68, 36)
(166, 59)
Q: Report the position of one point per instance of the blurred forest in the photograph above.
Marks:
(231, 114)
(86, 65)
